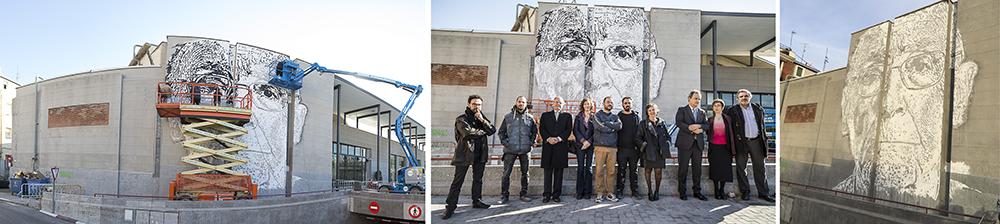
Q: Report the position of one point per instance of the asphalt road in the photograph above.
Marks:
(13, 213)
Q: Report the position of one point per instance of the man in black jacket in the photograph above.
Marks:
(628, 154)
(471, 130)
(748, 125)
(690, 119)
(555, 127)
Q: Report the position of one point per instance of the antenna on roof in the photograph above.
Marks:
(826, 58)
(803, 56)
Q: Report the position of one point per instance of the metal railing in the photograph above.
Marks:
(926, 210)
(130, 196)
(34, 190)
(204, 94)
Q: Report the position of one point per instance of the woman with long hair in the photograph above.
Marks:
(583, 131)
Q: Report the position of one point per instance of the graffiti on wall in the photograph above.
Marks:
(218, 62)
(908, 120)
(79, 115)
(594, 52)
(459, 75)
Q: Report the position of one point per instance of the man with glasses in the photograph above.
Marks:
(471, 130)
(690, 119)
(748, 125)
(594, 52)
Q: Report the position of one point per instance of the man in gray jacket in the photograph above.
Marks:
(606, 127)
(517, 135)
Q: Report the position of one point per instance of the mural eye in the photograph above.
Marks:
(624, 52)
(923, 69)
(267, 91)
(571, 52)
(623, 57)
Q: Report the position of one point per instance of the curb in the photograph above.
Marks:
(60, 217)
(14, 202)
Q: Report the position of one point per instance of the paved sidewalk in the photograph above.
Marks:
(666, 210)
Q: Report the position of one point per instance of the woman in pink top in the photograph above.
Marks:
(720, 149)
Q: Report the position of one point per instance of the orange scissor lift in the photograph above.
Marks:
(212, 117)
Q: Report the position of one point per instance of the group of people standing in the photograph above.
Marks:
(603, 138)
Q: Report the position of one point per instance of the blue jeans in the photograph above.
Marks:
(584, 172)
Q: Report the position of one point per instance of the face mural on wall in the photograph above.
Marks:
(907, 158)
(217, 62)
(594, 52)
(866, 66)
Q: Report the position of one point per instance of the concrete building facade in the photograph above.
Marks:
(102, 130)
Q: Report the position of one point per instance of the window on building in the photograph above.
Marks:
(396, 162)
(351, 163)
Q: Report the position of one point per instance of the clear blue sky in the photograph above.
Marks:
(828, 24)
(387, 38)
(500, 15)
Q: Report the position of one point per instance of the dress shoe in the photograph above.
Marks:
(556, 200)
(636, 195)
(503, 200)
(767, 198)
(700, 196)
(684, 197)
(526, 198)
(546, 200)
(479, 204)
(448, 213)
(579, 196)
(745, 197)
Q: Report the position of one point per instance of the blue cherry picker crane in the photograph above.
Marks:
(409, 179)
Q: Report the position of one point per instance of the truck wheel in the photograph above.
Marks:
(416, 190)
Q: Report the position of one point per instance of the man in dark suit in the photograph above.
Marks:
(555, 127)
(690, 120)
(471, 130)
(748, 125)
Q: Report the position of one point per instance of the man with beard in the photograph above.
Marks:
(471, 130)
(748, 125)
(517, 135)
(628, 156)
(606, 127)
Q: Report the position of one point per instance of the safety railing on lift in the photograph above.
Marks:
(204, 94)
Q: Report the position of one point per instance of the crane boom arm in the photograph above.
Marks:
(290, 76)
